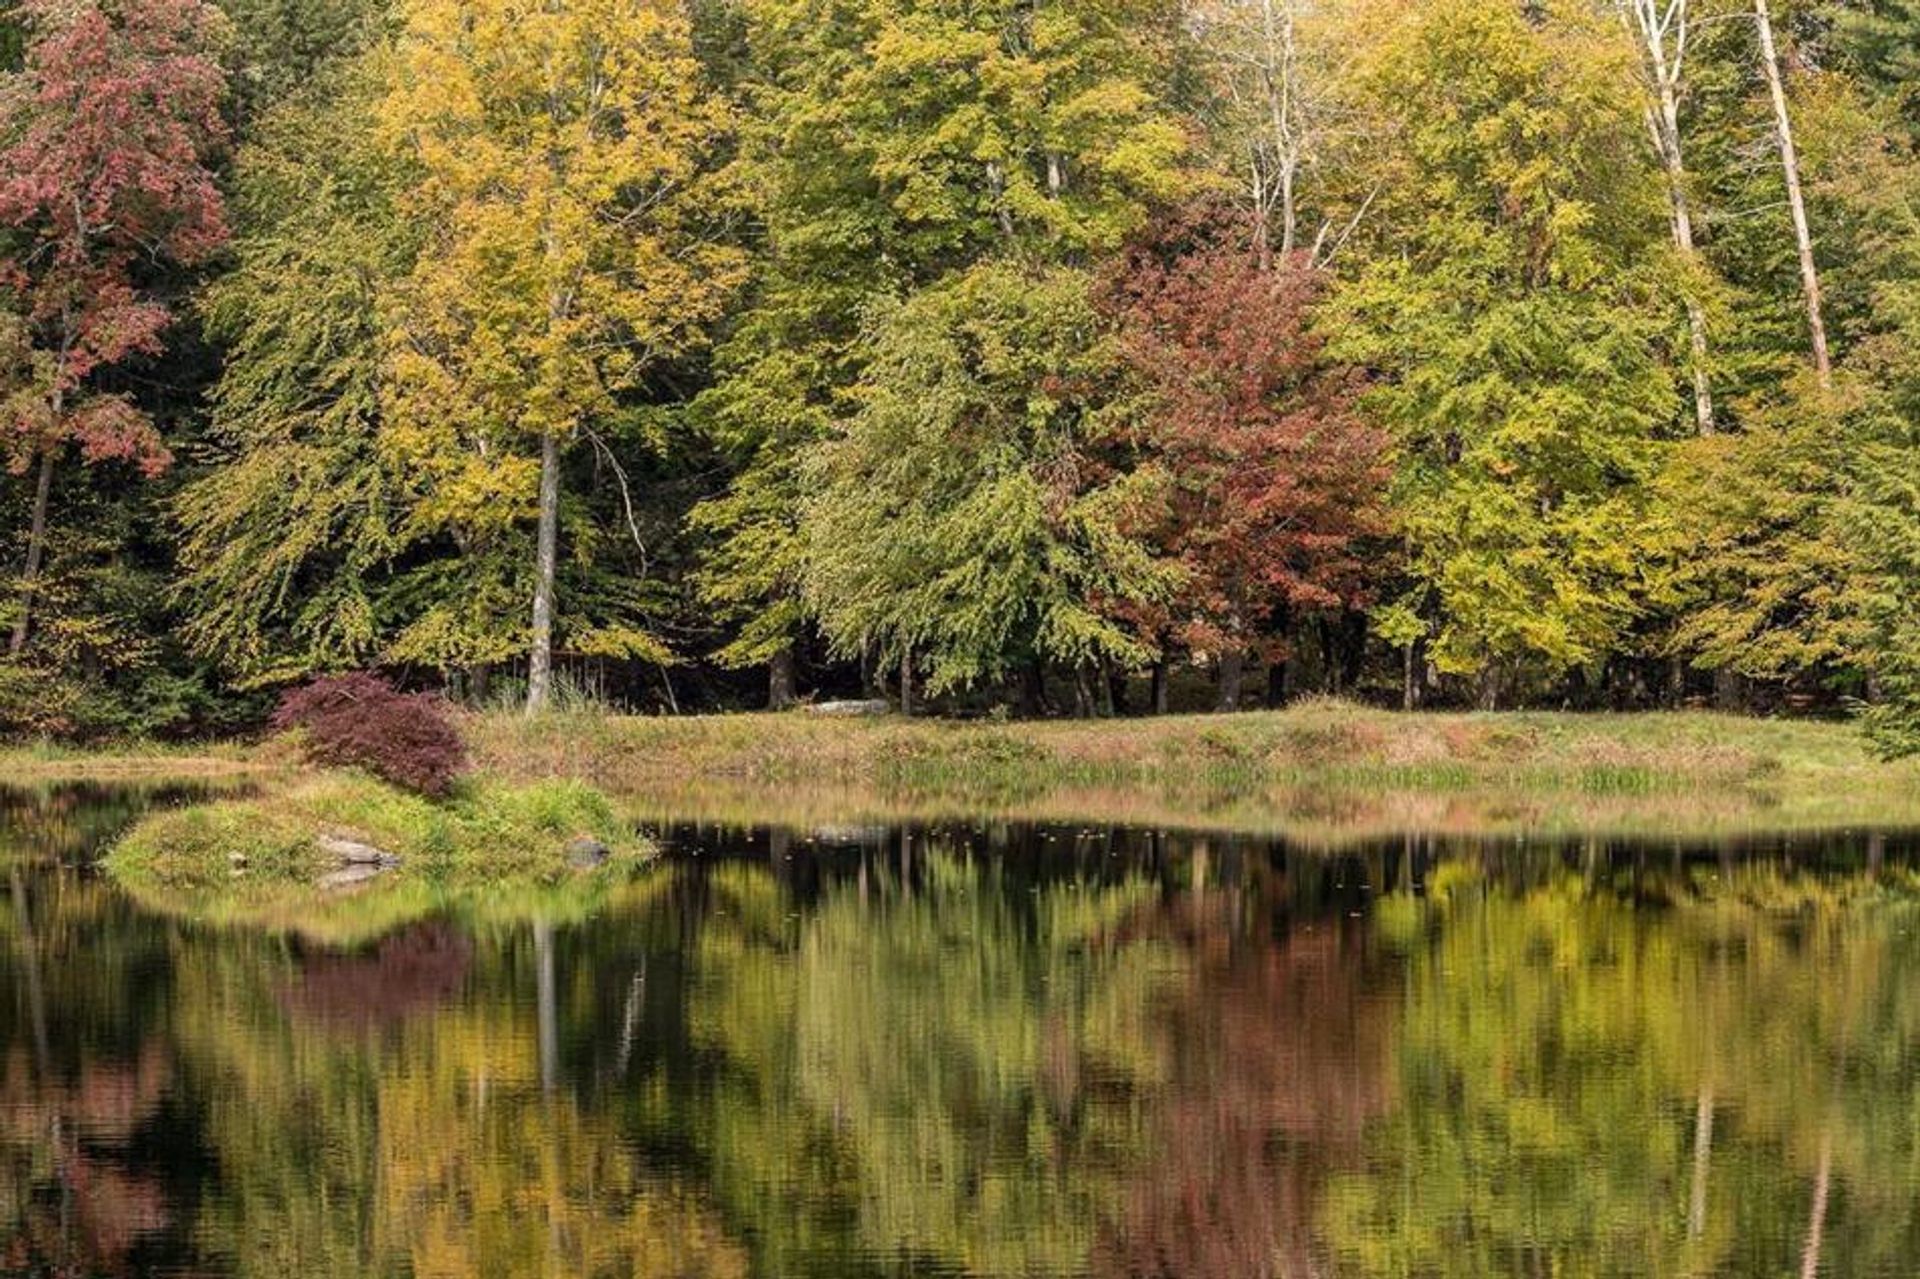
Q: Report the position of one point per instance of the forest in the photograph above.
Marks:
(1033, 357)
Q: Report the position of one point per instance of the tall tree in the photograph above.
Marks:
(568, 155)
(288, 536)
(1664, 31)
(104, 139)
(1277, 110)
(1796, 200)
(1274, 482)
(891, 144)
(1513, 300)
(964, 518)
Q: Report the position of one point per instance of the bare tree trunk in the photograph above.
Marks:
(545, 563)
(780, 680)
(1084, 706)
(1796, 203)
(1159, 693)
(36, 553)
(1655, 25)
(906, 683)
(1278, 680)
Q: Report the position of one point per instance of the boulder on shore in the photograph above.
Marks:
(873, 706)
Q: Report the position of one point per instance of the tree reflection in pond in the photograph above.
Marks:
(989, 1050)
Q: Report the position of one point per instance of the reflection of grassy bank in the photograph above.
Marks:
(257, 860)
(1321, 771)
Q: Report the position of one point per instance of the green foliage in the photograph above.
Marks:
(1516, 299)
(1880, 41)
(966, 515)
(1880, 520)
(287, 537)
(890, 144)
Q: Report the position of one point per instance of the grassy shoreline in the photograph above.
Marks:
(1318, 738)
(1321, 771)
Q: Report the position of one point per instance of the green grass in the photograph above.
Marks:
(256, 860)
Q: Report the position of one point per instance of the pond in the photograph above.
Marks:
(986, 1048)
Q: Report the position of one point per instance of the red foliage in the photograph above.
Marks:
(103, 168)
(1277, 482)
(362, 721)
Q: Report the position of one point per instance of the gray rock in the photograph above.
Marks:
(352, 852)
(348, 876)
(585, 852)
(872, 707)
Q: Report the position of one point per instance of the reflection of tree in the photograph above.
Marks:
(1277, 1051)
(425, 1139)
(74, 1105)
(1712, 1075)
(408, 972)
(933, 1068)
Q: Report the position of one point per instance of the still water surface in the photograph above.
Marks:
(984, 1049)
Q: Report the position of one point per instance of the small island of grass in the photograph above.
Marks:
(342, 853)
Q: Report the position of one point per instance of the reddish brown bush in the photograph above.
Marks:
(361, 720)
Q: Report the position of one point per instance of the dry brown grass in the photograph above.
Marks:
(1322, 771)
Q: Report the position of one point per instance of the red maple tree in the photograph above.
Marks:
(1276, 482)
(104, 137)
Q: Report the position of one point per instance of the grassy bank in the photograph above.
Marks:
(1322, 770)
(141, 761)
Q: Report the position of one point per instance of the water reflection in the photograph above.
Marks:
(983, 1049)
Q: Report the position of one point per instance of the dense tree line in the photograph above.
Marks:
(1042, 355)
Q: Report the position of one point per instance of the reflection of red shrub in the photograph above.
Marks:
(361, 720)
(410, 972)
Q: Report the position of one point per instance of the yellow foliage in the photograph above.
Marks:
(566, 154)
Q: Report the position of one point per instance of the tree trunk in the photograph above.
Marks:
(1653, 22)
(1033, 690)
(1158, 695)
(1277, 681)
(1409, 693)
(1233, 665)
(1702, 1157)
(1817, 1216)
(906, 683)
(36, 552)
(780, 680)
(545, 563)
(1489, 691)
(1084, 706)
(1796, 204)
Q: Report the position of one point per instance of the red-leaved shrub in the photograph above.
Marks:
(361, 720)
